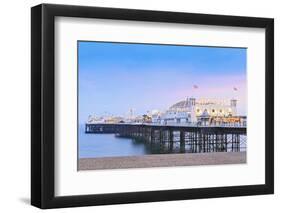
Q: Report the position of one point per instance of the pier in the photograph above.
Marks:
(176, 138)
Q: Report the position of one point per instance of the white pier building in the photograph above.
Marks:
(201, 111)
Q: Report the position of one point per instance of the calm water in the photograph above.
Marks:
(108, 145)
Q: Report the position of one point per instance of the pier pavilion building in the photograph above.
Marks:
(202, 112)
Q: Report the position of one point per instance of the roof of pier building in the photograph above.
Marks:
(181, 104)
(212, 107)
(201, 102)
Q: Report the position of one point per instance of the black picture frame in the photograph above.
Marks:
(43, 102)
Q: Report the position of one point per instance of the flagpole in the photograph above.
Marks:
(235, 91)
(195, 88)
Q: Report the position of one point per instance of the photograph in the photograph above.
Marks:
(135, 105)
(143, 105)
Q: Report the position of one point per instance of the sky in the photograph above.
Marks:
(116, 77)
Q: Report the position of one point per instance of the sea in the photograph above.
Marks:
(109, 145)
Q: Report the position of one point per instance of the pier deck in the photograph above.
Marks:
(167, 137)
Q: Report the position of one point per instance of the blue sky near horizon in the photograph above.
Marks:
(114, 77)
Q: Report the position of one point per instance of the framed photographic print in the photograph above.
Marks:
(139, 106)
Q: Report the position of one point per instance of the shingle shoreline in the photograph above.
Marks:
(162, 160)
